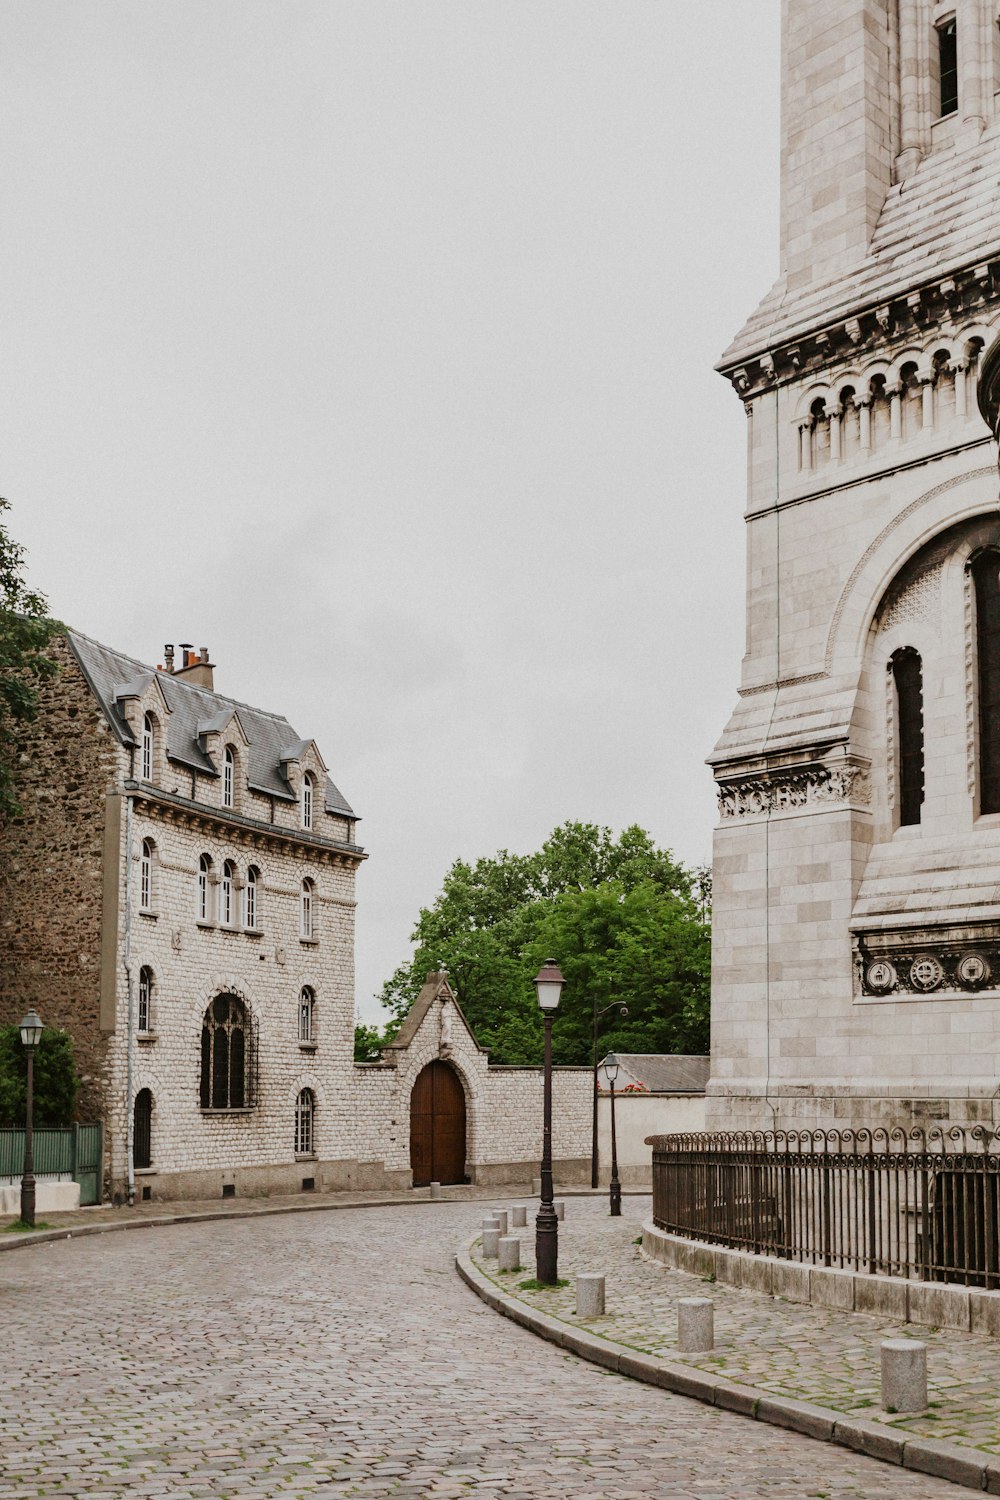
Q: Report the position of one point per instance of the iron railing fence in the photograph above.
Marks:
(920, 1203)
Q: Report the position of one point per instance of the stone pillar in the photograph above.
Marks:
(904, 1375)
(590, 1296)
(519, 1216)
(435, 1190)
(491, 1241)
(695, 1325)
(500, 1214)
(509, 1252)
(910, 103)
(560, 1208)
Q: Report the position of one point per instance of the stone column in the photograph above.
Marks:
(910, 103)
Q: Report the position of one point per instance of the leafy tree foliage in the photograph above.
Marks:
(368, 1042)
(625, 921)
(25, 631)
(55, 1078)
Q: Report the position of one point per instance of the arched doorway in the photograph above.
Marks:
(142, 1132)
(437, 1126)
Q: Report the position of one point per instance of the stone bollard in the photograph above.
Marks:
(904, 1375)
(435, 1190)
(491, 1240)
(560, 1208)
(519, 1216)
(509, 1247)
(500, 1214)
(590, 1296)
(695, 1325)
(536, 1187)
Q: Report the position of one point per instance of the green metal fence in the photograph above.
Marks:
(76, 1152)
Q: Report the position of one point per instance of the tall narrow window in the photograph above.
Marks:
(145, 998)
(305, 1108)
(228, 875)
(908, 677)
(228, 774)
(948, 66)
(146, 876)
(250, 899)
(307, 801)
(204, 906)
(146, 773)
(227, 1067)
(986, 580)
(306, 910)
(306, 1003)
(142, 1130)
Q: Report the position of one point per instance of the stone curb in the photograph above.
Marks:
(160, 1221)
(965, 1466)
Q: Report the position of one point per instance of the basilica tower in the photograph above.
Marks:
(856, 961)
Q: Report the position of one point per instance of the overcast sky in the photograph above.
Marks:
(370, 344)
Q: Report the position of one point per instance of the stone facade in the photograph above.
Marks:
(155, 883)
(856, 962)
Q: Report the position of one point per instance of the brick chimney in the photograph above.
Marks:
(195, 666)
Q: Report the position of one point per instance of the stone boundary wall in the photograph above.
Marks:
(935, 1304)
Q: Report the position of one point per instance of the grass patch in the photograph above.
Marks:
(637, 1240)
(534, 1285)
(19, 1227)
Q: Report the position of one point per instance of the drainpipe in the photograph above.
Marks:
(130, 1043)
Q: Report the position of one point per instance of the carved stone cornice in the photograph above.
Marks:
(785, 789)
(171, 807)
(881, 327)
(929, 962)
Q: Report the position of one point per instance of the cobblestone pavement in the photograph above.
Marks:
(338, 1354)
(786, 1348)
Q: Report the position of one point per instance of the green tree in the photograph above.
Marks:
(25, 631)
(55, 1078)
(368, 1042)
(624, 919)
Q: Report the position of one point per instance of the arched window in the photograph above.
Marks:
(204, 907)
(986, 581)
(142, 1130)
(146, 876)
(228, 909)
(250, 899)
(907, 673)
(146, 772)
(307, 1004)
(228, 777)
(306, 910)
(145, 1015)
(226, 1055)
(307, 801)
(305, 1110)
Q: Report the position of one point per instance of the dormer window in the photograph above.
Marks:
(307, 801)
(228, 777)
(146, 755)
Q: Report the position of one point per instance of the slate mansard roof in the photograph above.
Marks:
(195, 711)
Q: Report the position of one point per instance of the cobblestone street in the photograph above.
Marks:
(339, 1354)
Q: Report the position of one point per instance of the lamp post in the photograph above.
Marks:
(611, 1069)
(548, 987)
(31, 1034)
(593, 1134)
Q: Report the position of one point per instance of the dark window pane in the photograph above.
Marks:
(906, 671)
(948, 66)
(220, 1070)
(206, 1068)
(237, 1075)
(986, 577)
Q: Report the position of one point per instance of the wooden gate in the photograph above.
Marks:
(437, 1126)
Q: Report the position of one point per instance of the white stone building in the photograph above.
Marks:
(179, 894)
(856, 968)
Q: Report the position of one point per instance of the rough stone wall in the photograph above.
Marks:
(51, 872)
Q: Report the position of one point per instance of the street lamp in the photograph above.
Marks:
(593, 1133)
(31, 1034)
(548, 987)
(611, 1069)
